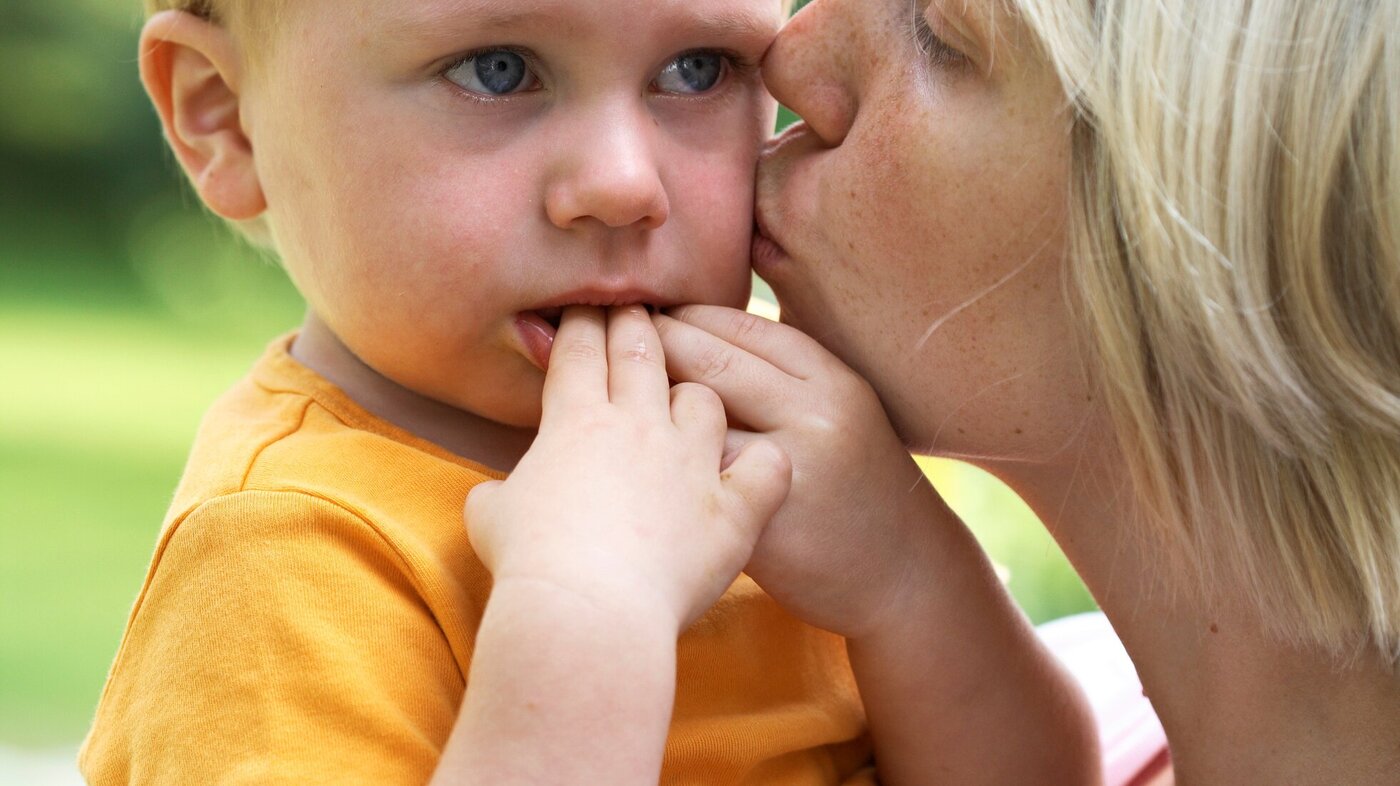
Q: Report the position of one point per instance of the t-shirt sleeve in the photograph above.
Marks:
(280, 639)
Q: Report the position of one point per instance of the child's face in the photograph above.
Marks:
(443, 175)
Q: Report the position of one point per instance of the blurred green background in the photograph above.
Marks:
(124, 310)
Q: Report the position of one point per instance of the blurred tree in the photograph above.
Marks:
(80, 150)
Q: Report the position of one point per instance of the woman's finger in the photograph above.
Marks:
(748, 384)
(636, 364)
(578, 363)
(783, 346)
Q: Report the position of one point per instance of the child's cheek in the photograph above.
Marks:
(451, 226)
(714, 213)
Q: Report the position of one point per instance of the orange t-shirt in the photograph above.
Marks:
(310, 613)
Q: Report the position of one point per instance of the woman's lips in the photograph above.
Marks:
(775, 169)
(766, 254)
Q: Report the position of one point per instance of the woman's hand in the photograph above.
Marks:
(621, 499)
(849, 548)
(948, 668)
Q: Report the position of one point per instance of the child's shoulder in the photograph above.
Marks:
(284, 446)
(289, 499)
(283, 426)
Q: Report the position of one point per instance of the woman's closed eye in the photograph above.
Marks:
(934, 49)
(494, 72)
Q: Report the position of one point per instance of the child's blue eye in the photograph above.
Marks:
(495, 73)
(691, 73)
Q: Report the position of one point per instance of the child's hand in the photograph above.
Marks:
(851, 541)
(621, 499)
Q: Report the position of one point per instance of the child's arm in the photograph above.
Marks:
(615, 531)
(956, 685)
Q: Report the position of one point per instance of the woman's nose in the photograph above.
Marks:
(608, 175)
(808, 67)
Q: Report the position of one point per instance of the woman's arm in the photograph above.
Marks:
(957, 687)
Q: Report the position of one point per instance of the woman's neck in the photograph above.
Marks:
(1237, 705)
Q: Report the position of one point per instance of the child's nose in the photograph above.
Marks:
(608, 174)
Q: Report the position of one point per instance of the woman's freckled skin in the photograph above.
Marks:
(877, 159)
(965, 255)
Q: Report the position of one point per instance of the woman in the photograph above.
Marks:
(1141, 261)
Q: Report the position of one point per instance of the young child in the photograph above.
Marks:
(458, 188)
(440, 179)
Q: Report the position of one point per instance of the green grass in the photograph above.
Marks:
(95, 421)
(104, 389)
(69, 568)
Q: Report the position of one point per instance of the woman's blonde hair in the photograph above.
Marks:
(1236, 256)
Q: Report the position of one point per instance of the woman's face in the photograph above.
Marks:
(917, 219)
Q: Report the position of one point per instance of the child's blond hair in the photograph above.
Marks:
(237, 15)
(221, 11)
(240, 11)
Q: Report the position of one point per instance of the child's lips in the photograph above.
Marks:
(536, 330)
(551, 315)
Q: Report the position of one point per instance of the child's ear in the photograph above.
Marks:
(192, 72)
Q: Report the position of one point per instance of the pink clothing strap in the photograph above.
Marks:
(1131, 738)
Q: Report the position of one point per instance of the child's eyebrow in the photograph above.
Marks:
(729, 23)
(699, 21)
